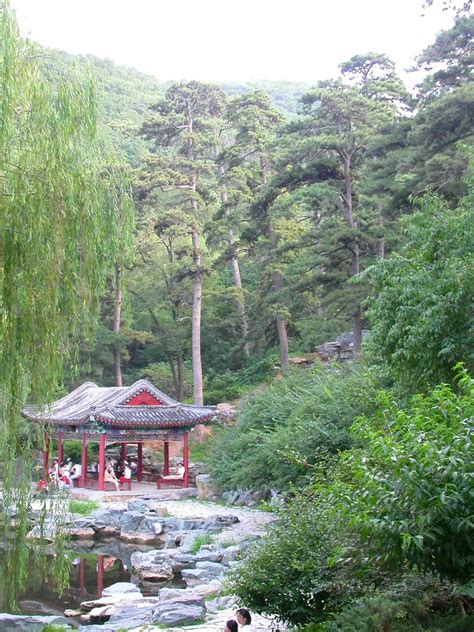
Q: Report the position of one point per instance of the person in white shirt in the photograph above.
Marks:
(76, 471)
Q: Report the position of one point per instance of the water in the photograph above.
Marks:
(93, 569)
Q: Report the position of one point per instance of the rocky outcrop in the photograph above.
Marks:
(28, 623)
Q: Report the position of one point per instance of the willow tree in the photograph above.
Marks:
(58, 239)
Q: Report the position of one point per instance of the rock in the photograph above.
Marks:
(139, 538)
(85, 533)
(209, 556)
(130, 521)
(203, 572)
(72, 613)
(120, 588)
(231, 553)
(179, 612)
(206, 487)
(29, 623)
(111, 600)
(106, 518)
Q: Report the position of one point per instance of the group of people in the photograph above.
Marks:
(244, 619)
(61, 475)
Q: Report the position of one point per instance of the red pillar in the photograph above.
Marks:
(100, 575)
(46, 456)
(60, 449)
(84, 460)
(124, 451)
(140, 462)
(166, 465)
(103, 441)
(186, 458)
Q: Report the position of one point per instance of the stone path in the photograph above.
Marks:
(252, 521)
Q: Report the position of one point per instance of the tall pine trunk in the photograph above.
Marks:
(117, 315)
(347, 206)
(276, 275)
(197, 289)
(234, 263)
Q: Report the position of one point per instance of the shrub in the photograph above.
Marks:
(413, 481)
(297, 422)
(83, 507)
(299, 572)
(199, 541)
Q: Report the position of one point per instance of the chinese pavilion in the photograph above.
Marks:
(118, 414)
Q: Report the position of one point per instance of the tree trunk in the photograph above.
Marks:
(381, 240)
(234, 262)
(174, 375)
(355, 252)
(180, 394)
(197, 289)
(196, 319)
(277, 277)
(117, 314)
(277, 286)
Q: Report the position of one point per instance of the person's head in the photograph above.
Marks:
(243, 616)
(231, 626)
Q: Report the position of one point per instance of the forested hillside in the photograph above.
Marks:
(253, 225)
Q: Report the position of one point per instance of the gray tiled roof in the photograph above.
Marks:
(108, 405)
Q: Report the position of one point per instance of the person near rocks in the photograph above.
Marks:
(245, 619)
(109, 476)
(231, 626)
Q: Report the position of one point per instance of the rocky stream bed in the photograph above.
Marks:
(173, 583)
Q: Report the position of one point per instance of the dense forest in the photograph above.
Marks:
(258, 208)
(230, 228)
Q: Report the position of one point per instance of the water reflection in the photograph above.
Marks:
(92, 568)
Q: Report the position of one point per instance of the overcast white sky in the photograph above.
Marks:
(299, 40)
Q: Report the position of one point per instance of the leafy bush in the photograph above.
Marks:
(298, 572)
(413, 481)
(285, 430)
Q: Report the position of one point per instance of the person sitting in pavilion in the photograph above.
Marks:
(109, 476)
(76, 472)
(126, 473)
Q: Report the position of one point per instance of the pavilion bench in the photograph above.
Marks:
(170, 481)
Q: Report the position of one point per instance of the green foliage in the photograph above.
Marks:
(421, 301)
(83, 507)
(412, 490)
(292, 426)
(400, 501)
(297, 572)
(199, 541)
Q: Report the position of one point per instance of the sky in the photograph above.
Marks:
(234, 40)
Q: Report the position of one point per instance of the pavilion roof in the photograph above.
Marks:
(109, 405)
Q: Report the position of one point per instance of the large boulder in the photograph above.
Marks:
(181, 611)
(206, 487)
